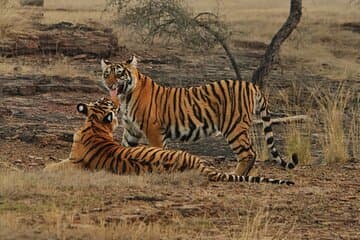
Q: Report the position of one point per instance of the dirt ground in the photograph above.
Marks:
(38, 118)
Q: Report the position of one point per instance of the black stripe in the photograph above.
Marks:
(232, 128)
(100, 148)
(231, 141)
(266, 118)
(275, 154)
(181, 109)
(212, 87)
(151, 102)
(267, 129)
(270, 140)
(243, 149)
(224, 107)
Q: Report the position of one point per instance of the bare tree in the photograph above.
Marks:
(172, 20)
(273, 49)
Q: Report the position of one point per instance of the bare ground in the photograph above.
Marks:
(38, 117)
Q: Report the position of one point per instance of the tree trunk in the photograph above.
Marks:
(273, 49)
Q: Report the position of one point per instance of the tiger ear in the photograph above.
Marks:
(104, 63)
(132, 61)
(108, 118)
(82, 108)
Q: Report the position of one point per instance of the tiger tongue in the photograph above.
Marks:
(113, 93)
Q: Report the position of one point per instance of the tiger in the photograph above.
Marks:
(94, 148)
(160, 113)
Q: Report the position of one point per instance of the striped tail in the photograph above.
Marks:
(214, 175)
(275, 156)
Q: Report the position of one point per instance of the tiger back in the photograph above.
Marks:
(161, 113)
(94, 148)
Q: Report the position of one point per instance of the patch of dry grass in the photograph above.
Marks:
(298, 141)
(319, 42)
(43, 205)
(332, 108)
(298, 135)
(51, 66)
(81, 5)
(354, 130)
(61, 226)
(10, 20)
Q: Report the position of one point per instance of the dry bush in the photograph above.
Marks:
(332, 108)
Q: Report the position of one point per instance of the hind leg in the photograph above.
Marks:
(240, 143)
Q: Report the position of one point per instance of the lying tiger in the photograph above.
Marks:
(160, 113)
(94, 148)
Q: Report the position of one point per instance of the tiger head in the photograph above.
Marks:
(119, 78)
(103, 111)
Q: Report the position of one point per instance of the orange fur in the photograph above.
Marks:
(94, 148)
(160, 113)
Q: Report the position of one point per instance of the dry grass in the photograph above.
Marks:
(81, 5)
(51, 65)
(43, 205)
(76, 12)
(298, 141)
(55, 197)
(61, 226)
(354, 130)
(298, 135)
(10, 20)
(332, 108)
(257, 227)
(319, 43)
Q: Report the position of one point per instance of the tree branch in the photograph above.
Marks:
(221, 39)
(273, 49)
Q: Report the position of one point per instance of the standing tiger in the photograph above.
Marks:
(94, 148)
(160, 113)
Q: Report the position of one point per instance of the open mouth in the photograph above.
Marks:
(117, 90)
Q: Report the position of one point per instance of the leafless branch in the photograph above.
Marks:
(273, 49)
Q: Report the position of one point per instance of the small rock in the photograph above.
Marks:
(220, 158)
(38, 3)
(27, 90)
(76, 218)
(33, 164)
(27, 137)
(80, 56)
(221, 194)
(96, 210)
(18, 161)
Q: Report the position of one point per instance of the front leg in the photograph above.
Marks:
(62, 166)
(155, 137)
(132, 137)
